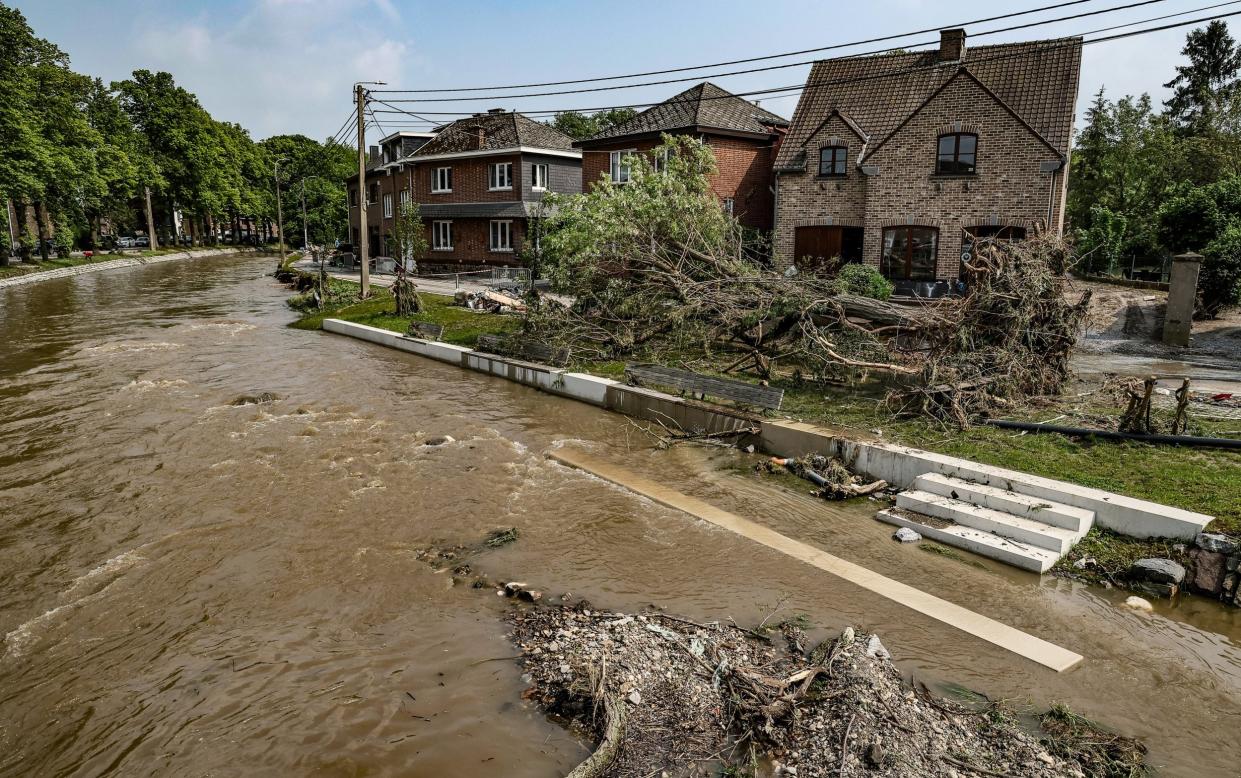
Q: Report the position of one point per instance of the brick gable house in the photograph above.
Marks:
(902, 160)
(479, 183)
(743, 137)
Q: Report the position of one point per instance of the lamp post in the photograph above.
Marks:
(279, 210)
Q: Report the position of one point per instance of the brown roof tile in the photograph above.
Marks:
(703, 105)
(500, 132)
(1037, 80)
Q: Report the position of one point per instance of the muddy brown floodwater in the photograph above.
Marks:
(189, 587)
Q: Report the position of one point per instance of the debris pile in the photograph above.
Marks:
(659, 693)
(489, 302)
(834, 479)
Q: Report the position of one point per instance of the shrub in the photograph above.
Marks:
(1220, 281)
(864, 280)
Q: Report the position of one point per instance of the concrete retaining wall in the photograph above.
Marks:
(898, 465)
(95, 267)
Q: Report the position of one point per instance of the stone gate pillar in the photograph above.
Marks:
(1182, 294)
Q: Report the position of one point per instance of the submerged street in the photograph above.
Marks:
(195, 583)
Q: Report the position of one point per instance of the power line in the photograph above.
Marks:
(875, 76)
(746, 71)
(338, 136)
(738, 61)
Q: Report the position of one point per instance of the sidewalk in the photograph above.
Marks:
(443, 285)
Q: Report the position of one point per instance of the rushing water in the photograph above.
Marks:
(192, 587)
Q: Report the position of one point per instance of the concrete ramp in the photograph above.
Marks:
(1006, 637)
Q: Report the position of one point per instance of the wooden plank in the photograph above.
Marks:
(724, 388)
(425, 330)
(523, 349)
(1023, 644)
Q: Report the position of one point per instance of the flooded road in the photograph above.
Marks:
(193, 587)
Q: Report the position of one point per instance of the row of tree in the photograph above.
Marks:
(79, 154)
(1146, 184)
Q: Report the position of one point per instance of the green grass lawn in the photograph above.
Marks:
(1203, 480)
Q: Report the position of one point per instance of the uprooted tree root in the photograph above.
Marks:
(663, 694)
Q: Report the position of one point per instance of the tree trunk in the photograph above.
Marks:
(209, 221)
(880, 312)
(94, 232)
(150, 219)
(40, 217)
(23, 231)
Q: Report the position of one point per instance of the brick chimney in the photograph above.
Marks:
(952, 45)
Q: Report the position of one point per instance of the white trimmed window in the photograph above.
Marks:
(660, 163)
(441, 236)
(538, 177)
(620, 171)
(387, 206)
(501, 236)
(404, 198)
(441, 180)
(728, 206)
(500, 176)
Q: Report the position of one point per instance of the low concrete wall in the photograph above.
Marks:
(898, 465)
(112, 264)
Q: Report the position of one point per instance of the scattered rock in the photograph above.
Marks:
(530, 595)
(1162, 571)
(1138, 604)
(513, 587)
(749, 449)
(1209, 571)
(635, 697)
(1084, 563)
(874, 755)
(1211, 541)
(439, 440)
(876, 649)
(501, 537)
(906, 535)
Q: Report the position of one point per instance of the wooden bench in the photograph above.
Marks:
(523, 349)
(425, 330)
(723, 388)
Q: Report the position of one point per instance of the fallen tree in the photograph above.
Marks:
(657, 268)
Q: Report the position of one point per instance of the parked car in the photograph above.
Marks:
(125, 242)
(142, 241)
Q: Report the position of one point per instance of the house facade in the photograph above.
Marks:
(903, 160)
(479, 183)
(743, 136)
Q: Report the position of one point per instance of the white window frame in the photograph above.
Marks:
(387, 205)
(404, 198)
(506, 231)
(441, 235)
(728, 206)
(493, 177)
(660, 163)
(618, 172)
(439, 177)
(538, 176)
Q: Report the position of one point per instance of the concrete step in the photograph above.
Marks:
(1036, 560)
(1024, 531)
(997, 498)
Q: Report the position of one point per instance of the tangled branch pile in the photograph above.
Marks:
(656, 268)
(660, 693)
(1010, 336)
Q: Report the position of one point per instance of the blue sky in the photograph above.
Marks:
(278, 66)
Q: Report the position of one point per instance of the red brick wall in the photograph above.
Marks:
(1008, 187)
(471, 240)
(469, 180)
(744, 173)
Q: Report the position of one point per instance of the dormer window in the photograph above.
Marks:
(957, 154)
(833, 160)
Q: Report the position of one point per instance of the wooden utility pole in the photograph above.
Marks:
(279, 211)
(150, 219)
(305, 227)
(363, 249)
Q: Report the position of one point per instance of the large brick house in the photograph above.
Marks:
(743, 136)
(902, 160)
(479, 183)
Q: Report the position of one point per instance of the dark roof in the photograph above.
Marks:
(1035, 80)
(704, 105)
(500, 131)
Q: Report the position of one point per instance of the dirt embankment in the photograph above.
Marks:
(665, 696)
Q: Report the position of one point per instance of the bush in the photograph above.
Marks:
(1220, 281)
(864, 280)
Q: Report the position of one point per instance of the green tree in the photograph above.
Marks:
(579, 125)
(1207, 219)
(25, 152)
(1203, 87)
(407, 242)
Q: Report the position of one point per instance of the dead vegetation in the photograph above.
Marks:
(661, 694)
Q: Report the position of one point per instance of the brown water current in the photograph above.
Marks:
(192, 587)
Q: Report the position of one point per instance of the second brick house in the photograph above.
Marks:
(903, 160)
(479, 183)
(743, 136)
